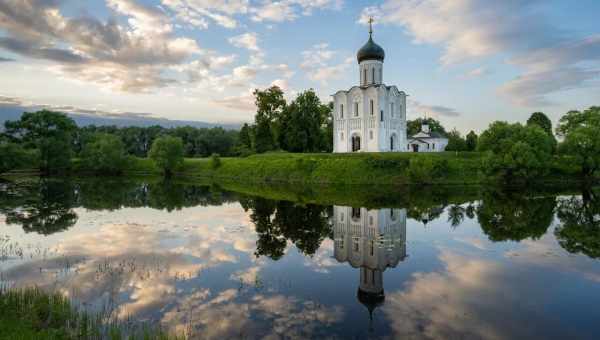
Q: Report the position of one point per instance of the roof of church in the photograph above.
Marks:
(425, 135)
(370, 51)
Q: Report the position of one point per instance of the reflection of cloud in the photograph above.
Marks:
(224, 317)
(471, 298)
(323, 259)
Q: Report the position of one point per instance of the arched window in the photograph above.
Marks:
(381, 118)
(365, 76)
(371, 134)
(371, 102)
(373, 75)
(355, 109)
(380, 76)
(433, 146)
(392, 109)
(342, 111)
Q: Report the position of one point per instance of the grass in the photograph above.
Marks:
(30, 313)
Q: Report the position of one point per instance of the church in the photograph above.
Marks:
(371, 117)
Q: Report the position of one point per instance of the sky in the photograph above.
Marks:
(464, 62)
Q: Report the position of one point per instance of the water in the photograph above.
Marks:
(209, 263)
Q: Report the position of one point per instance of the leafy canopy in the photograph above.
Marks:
(167, 153)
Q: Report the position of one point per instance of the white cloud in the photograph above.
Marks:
(289, 10)
(551, 60)
(417, 109)
(318, 67)
(247, 40)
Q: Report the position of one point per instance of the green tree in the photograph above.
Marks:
(244, 138)
(105, 154)
(270, 104)
(49, 132)
(14, 156)
(167, 154)
(516, 153)
(414, 126)
(471, 141)
(575, 119)
(541, 120)
(583, 143)
(301, 123)
(455, 141)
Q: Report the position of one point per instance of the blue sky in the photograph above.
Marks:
(465, 62)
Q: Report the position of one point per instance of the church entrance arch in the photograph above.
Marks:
(355, 143)
(393, 142)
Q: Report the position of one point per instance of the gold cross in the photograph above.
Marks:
(371, 25)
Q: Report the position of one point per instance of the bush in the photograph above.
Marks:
(215, 161)
(384, 163)
(13, 156)
(426, 169)
(105, 155)
(167, 154)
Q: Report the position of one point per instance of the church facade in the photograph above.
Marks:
(370, 117)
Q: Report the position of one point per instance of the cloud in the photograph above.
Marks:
(243, 102)
(4, 60)
(477, 72)
(248, 41)
(551, 59)
(197, 13)
(289, 10)
(318, 67)
(129, 58)
(418, 109)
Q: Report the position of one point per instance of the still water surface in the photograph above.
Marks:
(216, 264)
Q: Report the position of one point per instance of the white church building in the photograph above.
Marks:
(371, 117)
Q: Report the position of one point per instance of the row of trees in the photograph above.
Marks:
(303, 125)
(517, 152)
(49, 140)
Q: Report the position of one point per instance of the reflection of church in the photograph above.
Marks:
(371, 240)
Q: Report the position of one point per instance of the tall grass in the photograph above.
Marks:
(31, 313)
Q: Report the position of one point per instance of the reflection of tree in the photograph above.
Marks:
(580, 224)
(513, 216)
(456, 214)
(279, 221)
(44, 207)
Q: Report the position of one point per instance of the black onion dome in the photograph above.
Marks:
(370, 51)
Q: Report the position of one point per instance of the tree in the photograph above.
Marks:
(414, 126)
(515, 152)
(51, 133)
(541, 120)
(456, 142)
(583, 143)
(574, 119)
(270, 104)
(14, 156)
(105, 154)
(244, 138)
(167, 154)
(263, 139)
(471, 141)
(301, 123)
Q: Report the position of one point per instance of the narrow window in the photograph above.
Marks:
(372, 111)
(372, 248)
(364, 76)
(342, 215)
(356, 109)
(371, 220)
(373, 276)
(342, 136)
(342, 111)
(373, 75)
(381, 116)
(433, 146)
(392, 109)
(355, 245)
(371, 134)
(380, 76)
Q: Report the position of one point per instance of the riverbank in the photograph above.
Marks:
(447, 168)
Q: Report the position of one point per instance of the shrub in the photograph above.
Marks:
(383, 163)
(14, 156)
(215, 161)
